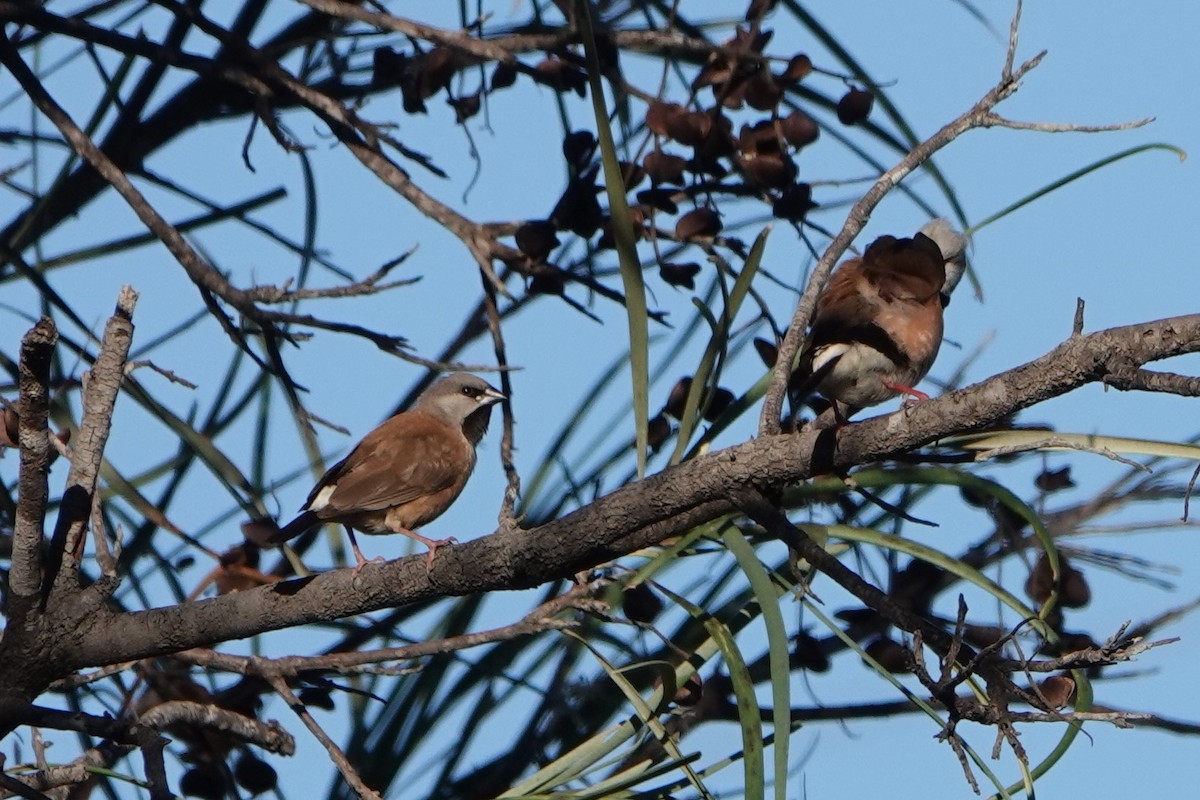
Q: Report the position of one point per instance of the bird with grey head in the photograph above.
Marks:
(406, 472)
(878, 324)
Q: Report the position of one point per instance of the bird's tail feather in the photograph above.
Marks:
(294, 528)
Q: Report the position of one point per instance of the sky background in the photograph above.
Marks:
(1118, 238)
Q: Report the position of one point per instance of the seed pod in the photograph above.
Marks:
(890, 654)
(794, 202)
(503, 76)
(689, 128)
(808, 653)
(254, 775)
(537, 239)
(465, 107)
(855, 106)
(767, 351)
(721, 400)
(1057, 690)
(658, 115)
(640, 603)
(799, 129)
(683, 275)
(658, 430)
(699, 222)
(677, 399)
(690, 693)
(664, 168)
(798, 68)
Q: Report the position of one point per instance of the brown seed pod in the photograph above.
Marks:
(797, 69)
(767, 351)
(690, 693)
(659, 114)
(890, 654)
(578, 148)
(578, 210)
(632, 174)
(537, 239)
(689, 128)
(640, 603)
(1040, 582)
(548, 280)
(436, 69)
(682, 275)
(658, 431)
(561, 76)
(254, 775)
(387, 67)
(699, 222)
(794, 202)
(855, 106)
(720, 400)
(10, 427)
(677, 399)
(664, 168)
(662, 198)
(1057, 690)
(809, 654)
(203, 781)
(762, 93)
(503, 76)
(799, 129)
(465, 107)
(1054, 480)
(1075, 591)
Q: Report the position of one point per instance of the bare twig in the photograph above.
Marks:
(1059, 443)
(270, 736)
(336, 754)
(166, 373)
(539, 620)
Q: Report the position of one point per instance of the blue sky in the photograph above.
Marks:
(1119, 238)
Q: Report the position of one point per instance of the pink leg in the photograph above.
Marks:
(432, 544)
(360, 560)
(916, 394)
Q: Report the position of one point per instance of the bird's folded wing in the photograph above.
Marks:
(386, 471)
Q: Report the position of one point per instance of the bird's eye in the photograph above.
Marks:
(470, 391)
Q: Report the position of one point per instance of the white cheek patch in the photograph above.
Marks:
(322, 498)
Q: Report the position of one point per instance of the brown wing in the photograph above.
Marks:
(905, 269)
(410, 456)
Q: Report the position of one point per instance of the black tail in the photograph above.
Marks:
(294, 528)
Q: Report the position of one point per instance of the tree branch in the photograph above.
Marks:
(635, 516)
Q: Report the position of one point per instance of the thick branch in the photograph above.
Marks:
(634, 516)
(36, 350)
(100, 386)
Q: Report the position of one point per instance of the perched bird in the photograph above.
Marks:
(878, 324)
(407, 471)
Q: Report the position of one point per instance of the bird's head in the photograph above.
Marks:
(954, 252)
(461, 399)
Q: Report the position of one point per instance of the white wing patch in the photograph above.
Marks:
(322, 498)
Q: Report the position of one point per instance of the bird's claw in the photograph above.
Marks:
(433, 545)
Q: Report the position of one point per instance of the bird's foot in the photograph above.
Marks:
(361, 561)
(433, 545)
(911, 396)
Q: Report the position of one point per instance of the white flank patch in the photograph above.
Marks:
(322, 498)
